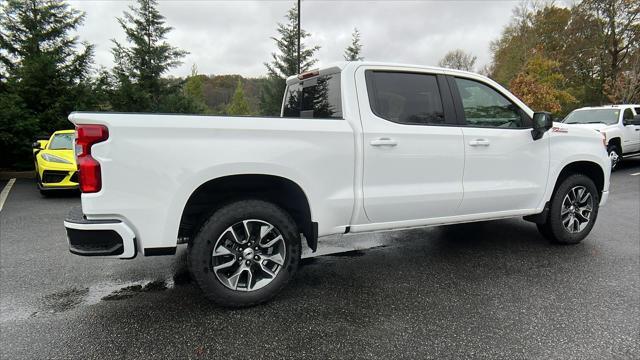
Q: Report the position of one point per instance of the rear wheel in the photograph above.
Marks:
(615, 155)
(245, 253)
(572, 212)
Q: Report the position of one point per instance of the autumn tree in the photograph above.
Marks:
(284, 62)
(458, 59)
(354, 50)
(539, 85)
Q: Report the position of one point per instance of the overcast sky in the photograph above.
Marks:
(233, 37)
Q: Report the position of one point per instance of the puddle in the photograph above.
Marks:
(130, 291)
(350, 253)
(64, 300)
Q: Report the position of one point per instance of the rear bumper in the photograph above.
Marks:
(109, 238)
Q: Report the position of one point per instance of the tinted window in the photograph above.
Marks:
(62, 142)
(317, 97)
(405, 97)
(593, 116)
(628, 114)
(637, 110)
(484, 106)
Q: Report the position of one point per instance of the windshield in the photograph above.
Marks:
(594, 116)
(62, 142)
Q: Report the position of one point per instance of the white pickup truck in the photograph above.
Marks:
(359, 147)
(620, 125)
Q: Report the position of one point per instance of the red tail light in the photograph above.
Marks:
(90, 177)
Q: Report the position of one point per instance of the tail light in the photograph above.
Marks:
(90, 177)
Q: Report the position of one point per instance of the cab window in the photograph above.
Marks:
(406, 98)
(485, 107)
(627, 114)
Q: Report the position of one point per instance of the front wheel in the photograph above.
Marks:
(615, 155)
(245, 253)
(572, 212)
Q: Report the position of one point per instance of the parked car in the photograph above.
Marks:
(620, 124)
(359, 147)
(55, 163)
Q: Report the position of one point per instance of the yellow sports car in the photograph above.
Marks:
(55, 162)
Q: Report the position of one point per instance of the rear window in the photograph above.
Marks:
(407, 98)
(315, 98)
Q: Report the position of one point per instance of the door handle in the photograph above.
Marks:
(383, 141)
(479, 142)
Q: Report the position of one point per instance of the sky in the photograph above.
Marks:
(234, 37)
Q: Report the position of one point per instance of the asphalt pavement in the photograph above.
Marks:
(485, 290)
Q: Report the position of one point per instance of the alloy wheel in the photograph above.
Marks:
(614, 157)
(248, 255)
(577, 207)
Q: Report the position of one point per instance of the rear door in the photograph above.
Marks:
(413, 150)
(505, 169)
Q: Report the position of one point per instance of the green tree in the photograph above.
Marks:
(43, 73)
(239, 105)
(139, 67)
(194, 89)
(458, 59)
(284, 62)
(353, 51)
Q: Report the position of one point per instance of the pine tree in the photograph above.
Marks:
(284, 62)
(239, 104)
(352, 53)
(43, 73)
(139, 67)
(194, 89)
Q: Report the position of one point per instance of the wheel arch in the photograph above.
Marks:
(616, 140)
(214, 193)
(588, 168)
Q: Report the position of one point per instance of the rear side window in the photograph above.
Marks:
(406, 98)
(316, 98)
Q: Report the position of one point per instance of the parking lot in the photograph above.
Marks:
(493, 289)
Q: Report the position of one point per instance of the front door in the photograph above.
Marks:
(631, 136)
(413, 150)
(505, 169)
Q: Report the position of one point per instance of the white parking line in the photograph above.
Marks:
(635, 174)
(5, 192)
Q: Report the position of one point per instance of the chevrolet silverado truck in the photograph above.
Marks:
(359, 147)
(620, 125)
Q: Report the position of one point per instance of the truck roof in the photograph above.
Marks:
(341, 65)
(616, 106)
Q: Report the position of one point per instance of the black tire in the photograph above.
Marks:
(200, 258)
(611, 150)
(554, 229)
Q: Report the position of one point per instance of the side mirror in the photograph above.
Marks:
(36, 146)
(542, 121)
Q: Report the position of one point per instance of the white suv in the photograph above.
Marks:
(620, 124)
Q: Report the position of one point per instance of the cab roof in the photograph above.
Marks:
(617, 106)
(64, 132)
(341, 65)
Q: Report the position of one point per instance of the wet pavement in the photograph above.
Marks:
(484, 290)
